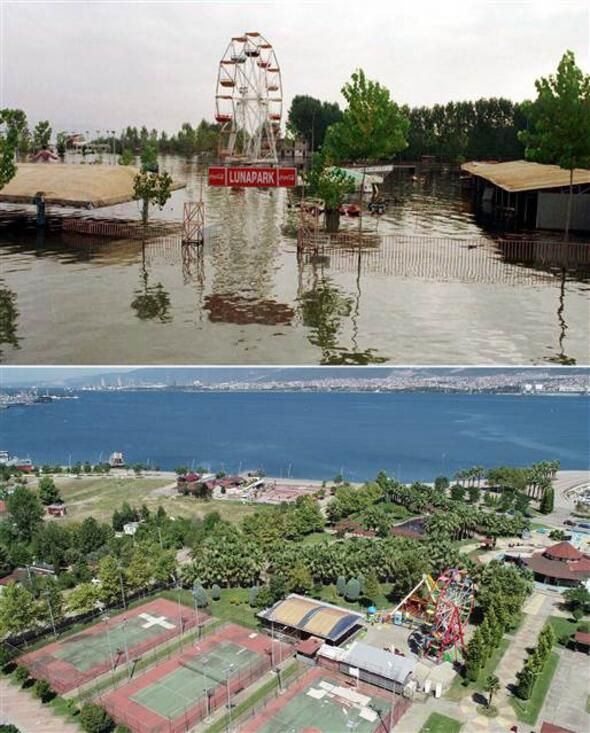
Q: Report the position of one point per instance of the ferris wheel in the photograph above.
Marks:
(454, 603)
(249, 100)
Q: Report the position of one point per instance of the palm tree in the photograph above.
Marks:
(492, 686)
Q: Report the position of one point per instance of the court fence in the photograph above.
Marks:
(220, 694)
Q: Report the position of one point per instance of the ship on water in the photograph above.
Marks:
(20, 464)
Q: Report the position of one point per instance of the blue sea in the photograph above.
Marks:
(414, 436)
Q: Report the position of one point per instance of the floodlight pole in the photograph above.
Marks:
(46, 594)
(227, 673)
(122, 588)
(106, 623)
(125, 644)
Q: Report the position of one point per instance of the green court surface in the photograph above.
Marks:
(91, 650)
(330, 713)
(181, 689)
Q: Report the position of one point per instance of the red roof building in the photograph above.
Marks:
(550, 728)
(561, 564)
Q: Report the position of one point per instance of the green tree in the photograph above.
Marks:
(547, 501)
(331, 186)
(127, 157)
(353, 590)
(577, 598)
(341, 585)
(152, 188)
(310, 118)
(83, 598)
(112, 584)
(300, 580)
(372, 589)
(48, 491)
(559, 123)
(492, 685)
(21, 675)
(372, 127)
(138, 573)
(215, 592)
(43, 691)
(200, 596)
(17, 610)
(95, 719)
(14, 122)
(41, 135)
(26, 512)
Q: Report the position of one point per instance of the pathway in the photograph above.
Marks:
(28, 714)
(566, 700)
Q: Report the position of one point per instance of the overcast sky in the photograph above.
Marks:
(103, 65)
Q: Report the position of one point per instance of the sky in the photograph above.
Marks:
(105, 64)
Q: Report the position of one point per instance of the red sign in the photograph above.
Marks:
(252, 177)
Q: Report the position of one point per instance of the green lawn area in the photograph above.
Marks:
(330, 595)
(588, 704)
(562, 626)
(99, 496)
(438, 723)
(317, 538)
(462, 687)
(528, 711)
(232, 606)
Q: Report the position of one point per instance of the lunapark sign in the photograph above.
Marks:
(252, 177)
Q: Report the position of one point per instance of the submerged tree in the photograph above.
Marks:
(151, 188)
(559, 130)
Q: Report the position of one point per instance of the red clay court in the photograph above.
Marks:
(77, 659)
(323, 701)
(181, 691)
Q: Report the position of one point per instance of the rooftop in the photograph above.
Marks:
(313, 617)
(522, 175)
(76, 185)
(378, 661)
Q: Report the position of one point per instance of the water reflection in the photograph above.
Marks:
(8, 318)
(151, 302)
(431, 287)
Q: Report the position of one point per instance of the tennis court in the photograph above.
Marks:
(184, 689)
(106, 645)
(171, 695)
(324, 702)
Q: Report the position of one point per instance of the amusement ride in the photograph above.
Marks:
(440, 609)
(249, 101)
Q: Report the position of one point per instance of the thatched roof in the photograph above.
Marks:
(75, 185)
(523, 175)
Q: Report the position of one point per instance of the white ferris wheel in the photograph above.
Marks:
(249, 100)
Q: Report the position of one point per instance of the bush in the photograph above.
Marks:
(42, 690)
(21, 675)
(584, 627)
(353, 590)
(95, 719)
(577, 613)
(8, 728)
(340, 585)
(252, 596)
(215, 592)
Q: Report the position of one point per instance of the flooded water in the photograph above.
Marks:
(448, 294)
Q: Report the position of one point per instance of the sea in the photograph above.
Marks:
(308, 435)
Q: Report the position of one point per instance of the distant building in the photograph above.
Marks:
(297, 149)
(130, 528)
(117, 460)
(561, 564)
(519, 193)
(57, 510)
(45, 156)
(369, 664)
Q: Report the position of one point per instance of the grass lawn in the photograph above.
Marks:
(438, 723)
(232, 606)
(317, 538)
(562, 626)
(588, 704)
(330, 595)
(528, 711)
(99, 496)
(461, 687)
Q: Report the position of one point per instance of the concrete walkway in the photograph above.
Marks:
(565, 703)
(20, 708)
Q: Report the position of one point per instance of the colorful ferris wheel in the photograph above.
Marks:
(454, 604)
(249, 100)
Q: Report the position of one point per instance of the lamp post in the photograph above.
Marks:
(46, 594)
(227, 674)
